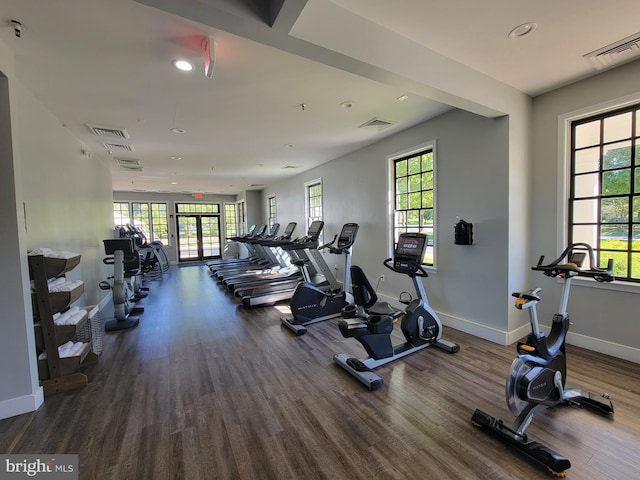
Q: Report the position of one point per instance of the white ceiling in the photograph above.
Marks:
(272, 108)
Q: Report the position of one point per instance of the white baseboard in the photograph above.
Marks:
(19, 405)
(503, 337)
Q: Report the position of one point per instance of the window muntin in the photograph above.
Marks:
(272, 213)
(231, 227)
(414, 197)
(198, 208)
(604, 197)
(159, 223)
(151, 218)
(121, 215)
(313, 201)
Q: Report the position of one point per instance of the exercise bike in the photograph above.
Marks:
(420, 324)
(537, 377)
(310, 304)
(123, 256)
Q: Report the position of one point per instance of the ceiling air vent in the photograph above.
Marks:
(133, 168)
(108, 131)
(127, 162)
(120, 147)
(618, 52)
(378, 123)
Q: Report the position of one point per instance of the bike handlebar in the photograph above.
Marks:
(569, 268)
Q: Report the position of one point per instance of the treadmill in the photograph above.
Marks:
(281, 267)
(272, 292)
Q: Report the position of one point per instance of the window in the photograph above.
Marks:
(604, 190)
(313, 201)
(198, 208)
(231, 227)
(151, 218)
(242, 219)
(272, 210)
(159, 223)
(414, 196)
(121, 214)
(141, 217)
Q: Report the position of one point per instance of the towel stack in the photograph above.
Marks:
(70, 317)
(61, 284)
(48, 252)
(69, 349)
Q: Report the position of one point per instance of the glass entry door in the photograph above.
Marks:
(198, 237)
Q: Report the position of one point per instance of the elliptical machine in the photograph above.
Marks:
(537, 377)
(420, 324)
(310, 304)
(121, 254)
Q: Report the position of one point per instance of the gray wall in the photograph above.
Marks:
(52, 197)
(469, 287)
(604, 319)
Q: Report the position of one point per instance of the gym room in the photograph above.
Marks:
(475, 161)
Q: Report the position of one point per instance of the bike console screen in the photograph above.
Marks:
(409, 252)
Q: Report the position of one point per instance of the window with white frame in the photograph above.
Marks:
(242, 219)
(272, 213)
(313, 201)
(230, 220)
(414, 199)
(604, 188)
(150, 217)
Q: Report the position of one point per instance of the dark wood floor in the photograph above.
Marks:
(206, 389)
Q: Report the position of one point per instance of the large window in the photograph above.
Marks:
(230, 221)
(313, 201)
(151, 218)
(272, 210)
(242, 219)
(414, 197)
(604, 196)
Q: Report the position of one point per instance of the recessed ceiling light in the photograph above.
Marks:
(346, 105)
(178, 130)
(183, 65)
(175, 157)
(402, 98)
(523, 30)
(174, 183)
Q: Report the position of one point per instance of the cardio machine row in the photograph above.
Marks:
(537, 378)
(273, 267)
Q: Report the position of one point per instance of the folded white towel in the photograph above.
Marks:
(40, 251)
(50, 253)
(70, 349)
(71, 317)
(64, 286)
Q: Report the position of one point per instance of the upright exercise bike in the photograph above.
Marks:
(420, 324)
(310, 304)
(123, 256)
(537, 377)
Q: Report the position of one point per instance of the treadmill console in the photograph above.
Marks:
(347, 235)
(315, 229)
(409, 252)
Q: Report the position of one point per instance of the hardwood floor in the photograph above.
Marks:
(206, 389)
